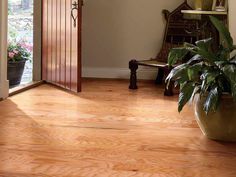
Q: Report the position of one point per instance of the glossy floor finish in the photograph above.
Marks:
(106, 131)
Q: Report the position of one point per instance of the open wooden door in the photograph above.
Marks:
(61, 43)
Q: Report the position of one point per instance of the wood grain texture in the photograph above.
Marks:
(61, 44)
(48, 60)
(45, 39)
(58, 43)
(68, 44)
(74, 54)
(106, 131)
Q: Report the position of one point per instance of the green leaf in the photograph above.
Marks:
(224, 32)
(181, 80)
(224, 84)
(196, 90)
(194, 71)
(207, 55)
(185, 95)
(176, 54)
(233, 60)
(204, 50)
(190, 47)
(230, 73)
(204, 86)
(212, 100)
(178, 71)
(211, 77)
(221, 64)
(223, 53)
(208, 79)
(204, 44)
(195, 58)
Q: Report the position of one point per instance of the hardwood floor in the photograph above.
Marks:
(106, 131)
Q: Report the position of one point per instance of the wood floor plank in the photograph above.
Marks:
(106, 131)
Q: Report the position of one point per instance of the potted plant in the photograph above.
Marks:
(209, 80)
(18, 54)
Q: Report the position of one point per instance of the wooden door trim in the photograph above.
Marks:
(37, 43)
(80, 47)
(4, 84)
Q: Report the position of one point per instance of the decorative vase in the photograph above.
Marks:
(15, 71)
(203, 4)
(219, 125)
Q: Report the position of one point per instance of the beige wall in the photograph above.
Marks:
(115, 31)
(232, 18)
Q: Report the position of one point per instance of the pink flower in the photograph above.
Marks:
(30, 48)
(27, 46)
(11, 55)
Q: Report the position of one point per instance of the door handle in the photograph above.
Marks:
(75, 8)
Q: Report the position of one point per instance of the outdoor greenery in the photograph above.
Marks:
(20, 35)
(23, 7)
(210, 73)
(20, 20)
(20, 30)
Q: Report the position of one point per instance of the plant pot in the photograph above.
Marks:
(203, 4)
(219, 125)
(15, 71)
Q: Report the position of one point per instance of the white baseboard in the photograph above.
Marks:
(118, 73)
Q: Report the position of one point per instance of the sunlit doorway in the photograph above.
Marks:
(20, 42)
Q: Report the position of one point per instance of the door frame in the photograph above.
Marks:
(37, 34)
(37, 60)
(4, 84)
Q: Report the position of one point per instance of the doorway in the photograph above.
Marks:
(68, 60)
(20, 42)
(24, 43)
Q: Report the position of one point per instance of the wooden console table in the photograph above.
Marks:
(201, 12)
